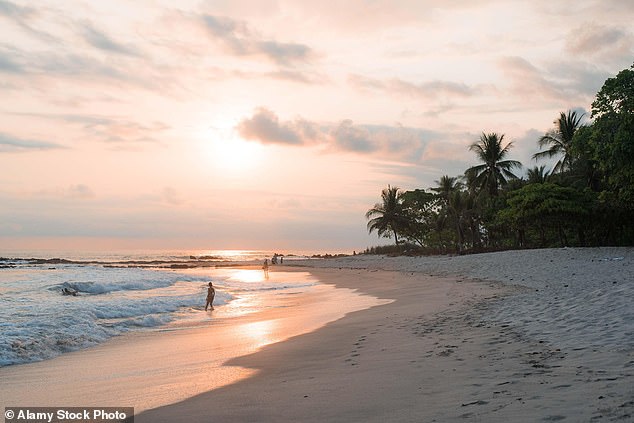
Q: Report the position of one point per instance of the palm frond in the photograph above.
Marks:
(560, 139)
(494, 169)
(509, 164)
(547, 154)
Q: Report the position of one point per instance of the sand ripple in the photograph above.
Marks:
(574, 298)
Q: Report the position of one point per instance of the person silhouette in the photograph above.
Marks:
(265, 267)
(211, 293)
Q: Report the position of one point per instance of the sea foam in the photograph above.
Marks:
(38, 322)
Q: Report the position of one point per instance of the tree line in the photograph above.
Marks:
(586, 199)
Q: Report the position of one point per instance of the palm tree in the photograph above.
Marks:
(454, 210)
(458, 208)
(559, 140)
(388, 217)
(446, 185)
(494, 170)
(537, 175)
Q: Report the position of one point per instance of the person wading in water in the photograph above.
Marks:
(211, 293)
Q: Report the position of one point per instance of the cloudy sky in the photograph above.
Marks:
(271, 124)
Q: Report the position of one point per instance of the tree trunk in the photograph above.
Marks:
(460, 237)
(562, 236)
(442, 242)
(582, 237)
(475, 234)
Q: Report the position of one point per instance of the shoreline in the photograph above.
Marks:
(357, 368)
(534, 335)
(148, 369)
(435, 354)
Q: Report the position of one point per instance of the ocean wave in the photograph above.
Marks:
(24, 342)
(37, 322)
(103, 287)
(148, 321)
(95, 280)
(35, 337)
(123, 308)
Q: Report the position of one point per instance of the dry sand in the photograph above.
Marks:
(544, 335)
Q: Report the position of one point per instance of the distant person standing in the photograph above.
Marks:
(211, 293)
(265, 267)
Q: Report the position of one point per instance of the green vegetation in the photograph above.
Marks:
(586, 200)
(560, 141)
(388, 217)
(494, 172)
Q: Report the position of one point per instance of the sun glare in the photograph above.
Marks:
(231, 153)
(248, 275)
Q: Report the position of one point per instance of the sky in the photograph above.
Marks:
(244, 124)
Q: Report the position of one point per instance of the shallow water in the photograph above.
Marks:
(38, 322)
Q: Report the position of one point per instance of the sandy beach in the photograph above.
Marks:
(460, 342)
(148, 369)
(521, 336)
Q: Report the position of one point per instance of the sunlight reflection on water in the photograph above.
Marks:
(260, 333)
(248, 275)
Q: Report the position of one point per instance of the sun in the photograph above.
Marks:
(231, 153)
(236, 154)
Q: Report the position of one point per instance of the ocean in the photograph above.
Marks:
(120, 292)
